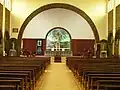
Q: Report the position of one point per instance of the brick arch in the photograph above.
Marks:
(59, 5)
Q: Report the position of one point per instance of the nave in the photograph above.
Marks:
(58, 77)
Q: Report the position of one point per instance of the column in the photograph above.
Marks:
(3, 29)
(114, 24)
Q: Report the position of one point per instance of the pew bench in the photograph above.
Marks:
(90, 71)
(29, 69)
(107, 84)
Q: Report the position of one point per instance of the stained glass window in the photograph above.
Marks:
(58, 38)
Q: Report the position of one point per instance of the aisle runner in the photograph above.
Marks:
(58, 77)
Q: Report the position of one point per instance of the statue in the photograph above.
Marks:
(13, 45)
(13, 50)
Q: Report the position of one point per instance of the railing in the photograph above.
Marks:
(58, 53)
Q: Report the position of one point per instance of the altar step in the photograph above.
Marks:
(58, 59)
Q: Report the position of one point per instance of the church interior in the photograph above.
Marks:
(59, 44)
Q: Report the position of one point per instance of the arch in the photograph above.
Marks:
(59, 5)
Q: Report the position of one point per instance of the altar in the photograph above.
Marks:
(58, 53)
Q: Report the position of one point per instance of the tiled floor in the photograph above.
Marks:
(58, 77)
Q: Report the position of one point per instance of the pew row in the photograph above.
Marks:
(21, 73)
(96, 74)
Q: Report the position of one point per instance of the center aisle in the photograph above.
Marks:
(58, 77)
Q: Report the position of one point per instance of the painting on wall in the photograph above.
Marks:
(39, 50)
(58, 38)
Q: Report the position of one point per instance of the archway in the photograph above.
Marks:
(59, 5)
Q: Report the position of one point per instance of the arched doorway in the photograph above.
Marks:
(58, 42)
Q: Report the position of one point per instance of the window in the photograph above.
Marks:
(58, 38)
(6, 3)
(117, 2)
(110, 5)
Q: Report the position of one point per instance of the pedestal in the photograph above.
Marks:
(12, 52)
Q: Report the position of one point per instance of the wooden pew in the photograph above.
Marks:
(15, 83)
(106, 84)
(28, 81)
(32, 66)
(83, 66)
(15, 75)
(7, 84)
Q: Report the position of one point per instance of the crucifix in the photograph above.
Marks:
(58, 37)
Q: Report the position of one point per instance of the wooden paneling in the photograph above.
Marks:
(29, 44)
(110, 21)
(117, 17)
(7, 20)
(44, 45)
(81, 46)
(78, 46)
(7, 24)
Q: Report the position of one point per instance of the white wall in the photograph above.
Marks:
(95, 9)
(77, 26)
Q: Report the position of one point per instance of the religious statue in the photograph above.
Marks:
(13, 50)
(13, 45)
